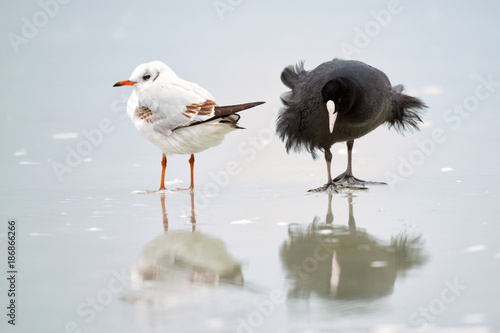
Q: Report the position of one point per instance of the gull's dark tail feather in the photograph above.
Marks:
(228, 113)
(407, 111)
(222, 111)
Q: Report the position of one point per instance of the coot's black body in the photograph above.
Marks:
(363, 97)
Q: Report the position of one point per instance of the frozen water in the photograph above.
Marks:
(421, 254)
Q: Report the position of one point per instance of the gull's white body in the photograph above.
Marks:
(167, 97)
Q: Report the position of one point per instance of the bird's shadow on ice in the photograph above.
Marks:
(345, 262)
(180, 267)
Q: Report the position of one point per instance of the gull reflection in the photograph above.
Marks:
(181, 265)
(345, 262)
(192, 217)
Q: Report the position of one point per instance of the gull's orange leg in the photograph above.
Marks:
(163, 167)
(191, 163)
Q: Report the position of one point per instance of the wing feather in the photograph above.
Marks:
(168, 106)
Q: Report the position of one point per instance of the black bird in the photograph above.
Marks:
(341, 100)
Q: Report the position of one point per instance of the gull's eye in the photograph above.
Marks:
(146, 77)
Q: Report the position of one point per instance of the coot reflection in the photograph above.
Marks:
(345, 262)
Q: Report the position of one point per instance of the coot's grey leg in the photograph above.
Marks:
(328, 159)
(330, 185)
(347, 179)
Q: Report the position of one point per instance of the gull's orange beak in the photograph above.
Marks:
(124, 83)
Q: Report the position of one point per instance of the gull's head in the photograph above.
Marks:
(147, 74)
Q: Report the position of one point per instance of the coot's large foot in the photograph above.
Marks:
(349, 181)
(325, 188)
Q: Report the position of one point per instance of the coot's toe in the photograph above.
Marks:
(347, 180)
(330, 187)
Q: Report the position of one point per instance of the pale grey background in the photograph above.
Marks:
(59, 84)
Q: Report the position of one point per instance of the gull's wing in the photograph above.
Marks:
(168, 106)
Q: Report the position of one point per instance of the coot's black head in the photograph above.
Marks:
(338, 97)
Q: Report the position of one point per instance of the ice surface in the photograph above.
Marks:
(421, 254)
